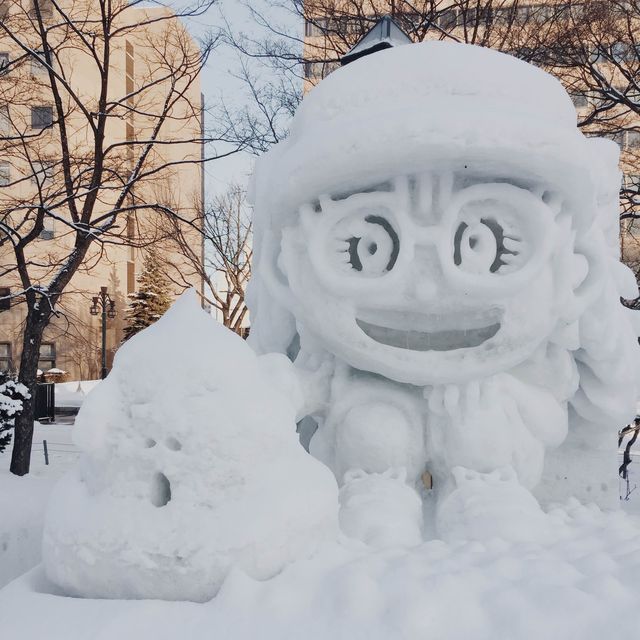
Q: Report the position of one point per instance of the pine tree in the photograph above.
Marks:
(152, 298)
(12, 393)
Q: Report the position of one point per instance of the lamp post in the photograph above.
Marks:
(103, 302)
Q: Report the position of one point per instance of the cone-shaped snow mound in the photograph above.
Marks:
(191, 467)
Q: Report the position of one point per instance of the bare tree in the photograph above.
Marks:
(84, 136)
(223, 262)
(278, 65)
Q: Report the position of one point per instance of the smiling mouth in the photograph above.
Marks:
(436, 333)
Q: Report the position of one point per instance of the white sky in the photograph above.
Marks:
(217, 81)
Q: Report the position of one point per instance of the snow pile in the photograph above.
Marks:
(22, 506)
(191, 467)
(435, 244)
(582, 582)
(72, 394)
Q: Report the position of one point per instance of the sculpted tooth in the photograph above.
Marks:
(451, 399)
(436, 398)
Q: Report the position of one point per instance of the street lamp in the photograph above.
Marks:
(103, 302)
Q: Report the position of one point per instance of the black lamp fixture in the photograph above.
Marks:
(103, 302)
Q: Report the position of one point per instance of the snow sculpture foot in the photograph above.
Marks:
(490, 505)
(380, 509)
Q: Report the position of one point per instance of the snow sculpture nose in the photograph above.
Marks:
(426, 274)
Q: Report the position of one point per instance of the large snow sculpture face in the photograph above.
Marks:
(437, 277)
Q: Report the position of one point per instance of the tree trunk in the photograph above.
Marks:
(23, 430)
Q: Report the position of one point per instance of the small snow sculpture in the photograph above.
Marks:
(191, 466)
(437, 243)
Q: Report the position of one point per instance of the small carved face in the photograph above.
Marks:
(426, 279)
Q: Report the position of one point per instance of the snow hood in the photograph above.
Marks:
(429, 104)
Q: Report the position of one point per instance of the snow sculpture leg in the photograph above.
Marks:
(437, 226)
(375, 448)
(188, 471)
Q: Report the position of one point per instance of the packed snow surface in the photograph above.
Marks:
(580, 583)
(187, 472)
(23, 500)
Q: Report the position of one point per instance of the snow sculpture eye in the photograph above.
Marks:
(367, 244)
(498, 236)
(482, 247)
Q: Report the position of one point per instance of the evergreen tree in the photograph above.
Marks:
(12, 393)
(152, 298)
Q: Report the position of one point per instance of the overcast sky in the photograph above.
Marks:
(217, 81)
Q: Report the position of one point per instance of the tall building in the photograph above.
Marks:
(149, 44)
(592, 47)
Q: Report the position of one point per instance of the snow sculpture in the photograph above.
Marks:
(191, 467)
(436, 250)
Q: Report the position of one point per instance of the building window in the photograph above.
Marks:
(4, 62)
(5, 123)
(5, 356)
(5, 173)
(579, 100)
(448, 19)
(316, 27)
(47, 356)
(45, 6)
(4, 9)
(41, 117)
(131, 227)
(633, 139)
(131, 277)
(37, 68)
(319, 69)
(42, 172)
(5, 300)
(632, 181)
(48, 230)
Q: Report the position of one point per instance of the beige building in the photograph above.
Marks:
(154, 93)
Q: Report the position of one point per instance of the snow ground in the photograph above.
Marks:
(583, 583)
(23, 500)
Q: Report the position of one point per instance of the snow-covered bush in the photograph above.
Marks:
(12, 395)
(191, 466)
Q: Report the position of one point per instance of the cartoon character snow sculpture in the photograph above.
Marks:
(436, 250)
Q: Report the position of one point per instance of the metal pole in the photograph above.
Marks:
(46, 452)
(104, 333)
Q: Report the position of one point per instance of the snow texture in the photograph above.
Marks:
(582, 583)
(436, 250)
(188, 471)
(22, 505)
